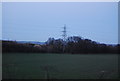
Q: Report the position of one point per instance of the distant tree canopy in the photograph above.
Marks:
(78, 45)
(74, 45)
(14, 47)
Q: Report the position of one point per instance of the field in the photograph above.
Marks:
(59, 66)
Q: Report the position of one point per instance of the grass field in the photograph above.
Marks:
(59, 66)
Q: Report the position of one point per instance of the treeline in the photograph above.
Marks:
(15, 47)
(74, 45)
(79, 45)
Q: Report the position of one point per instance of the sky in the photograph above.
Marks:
(38, 21)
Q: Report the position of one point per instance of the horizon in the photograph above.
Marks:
(45, 41)
(24, 21)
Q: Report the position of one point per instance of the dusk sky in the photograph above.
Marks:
(37, 21)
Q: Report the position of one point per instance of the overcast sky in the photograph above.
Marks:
(32, 21)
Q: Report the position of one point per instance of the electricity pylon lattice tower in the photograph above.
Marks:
(64, 35)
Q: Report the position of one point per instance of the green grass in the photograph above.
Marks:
(60, 66)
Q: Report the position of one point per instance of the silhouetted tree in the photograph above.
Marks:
(74, 44)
